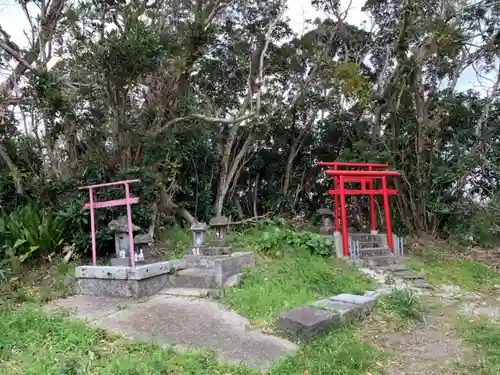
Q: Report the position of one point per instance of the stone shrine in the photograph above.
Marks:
(326, 228)
(119, 227)
(218, 246)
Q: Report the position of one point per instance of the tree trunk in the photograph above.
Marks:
(229, 168)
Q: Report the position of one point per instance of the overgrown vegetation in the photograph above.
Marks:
(442, 264)
(209, 130)
(405, 303)
(292, 273)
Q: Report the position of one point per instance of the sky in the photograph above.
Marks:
(14, 22)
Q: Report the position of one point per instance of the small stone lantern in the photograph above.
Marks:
(326, 221)
(199, 230)
(219, 224)
(120, 229)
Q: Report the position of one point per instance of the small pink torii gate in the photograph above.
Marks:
(128, 201)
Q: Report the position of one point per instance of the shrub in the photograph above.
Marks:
(29, 232)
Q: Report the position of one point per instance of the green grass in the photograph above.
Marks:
(294, 280)
(37, 344)
(442, 266)
(34, 343)
(484, 337)
(339, 352)
(298, 278)
(403, 304)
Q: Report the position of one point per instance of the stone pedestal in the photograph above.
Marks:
(337, 240)
(326, 230)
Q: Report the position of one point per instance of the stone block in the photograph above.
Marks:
(382, 260)
(200, 261)
(364, 301)
(345, 311)
(194, 278)
(326, 231)
(422, 285)
(306, 321)
(217, 250)
(121, 288)
(234, 263)
(409, 276)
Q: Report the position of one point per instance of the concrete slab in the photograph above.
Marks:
(306, 321)
(187, 323)
(89, 307)
(365, 301)
(345, 311)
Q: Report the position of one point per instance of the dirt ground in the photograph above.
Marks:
(430, 347)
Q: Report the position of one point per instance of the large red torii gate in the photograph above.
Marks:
(365, 178)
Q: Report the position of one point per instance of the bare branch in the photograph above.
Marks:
(15, 54)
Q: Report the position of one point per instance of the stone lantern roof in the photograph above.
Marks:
(219, 221)
(325, 211)
(120, 225)
(197, 226)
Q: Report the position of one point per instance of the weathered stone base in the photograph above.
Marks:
(125, 282)
(211, 271)
(194, 271)
(326, 231)
(121, 288)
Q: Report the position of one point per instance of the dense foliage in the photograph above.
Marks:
(219, 107)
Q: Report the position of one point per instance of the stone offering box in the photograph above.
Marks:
(193, 271)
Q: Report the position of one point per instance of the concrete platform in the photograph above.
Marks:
(185, 322)
(194, 271)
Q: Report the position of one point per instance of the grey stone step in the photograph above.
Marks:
(410, 276)
(365, 237)
(373, 251)
(381, 260)
(394, 268)
(422, 285)
(194, 278)
(364, 245)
